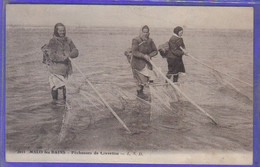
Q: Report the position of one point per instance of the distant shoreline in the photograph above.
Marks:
(98, 27)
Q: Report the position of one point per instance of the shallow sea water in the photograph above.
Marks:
(33, 121)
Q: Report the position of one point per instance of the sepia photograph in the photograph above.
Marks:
(129, 84)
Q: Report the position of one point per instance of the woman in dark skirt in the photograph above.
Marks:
(175, 53)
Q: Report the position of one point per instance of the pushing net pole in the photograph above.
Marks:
(197, 60)
(182, 93)
(100, 96)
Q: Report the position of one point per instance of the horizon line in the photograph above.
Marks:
(80, 26)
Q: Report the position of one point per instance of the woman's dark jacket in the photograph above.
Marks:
(139, 49)
(57, 49)
(174, 56)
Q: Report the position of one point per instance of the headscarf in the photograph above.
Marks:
(145, 27)
(142, 33)
(56, 34)
(62, 39)
(177, 30)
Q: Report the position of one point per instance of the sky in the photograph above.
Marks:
(130, 16)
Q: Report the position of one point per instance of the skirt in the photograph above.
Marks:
(57, 81)
(142, 77)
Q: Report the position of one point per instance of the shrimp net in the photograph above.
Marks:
(164, 108)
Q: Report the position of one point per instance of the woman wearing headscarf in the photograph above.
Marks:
(143, 49)
(56, 56)
(175, 53)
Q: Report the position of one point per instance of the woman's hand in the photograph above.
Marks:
(185, 52)
(66, 55)
(147, 58)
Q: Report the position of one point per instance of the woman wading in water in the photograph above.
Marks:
(143, 49)
(56, 56)
(174, 53)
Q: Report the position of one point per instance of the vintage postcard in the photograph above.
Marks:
(129, 84)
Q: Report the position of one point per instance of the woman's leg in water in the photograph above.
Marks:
(140, 89)
(64, 92)
(54, 94)
(175, 78)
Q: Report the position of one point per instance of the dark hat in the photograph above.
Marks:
(56, 29)
(177, 30)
